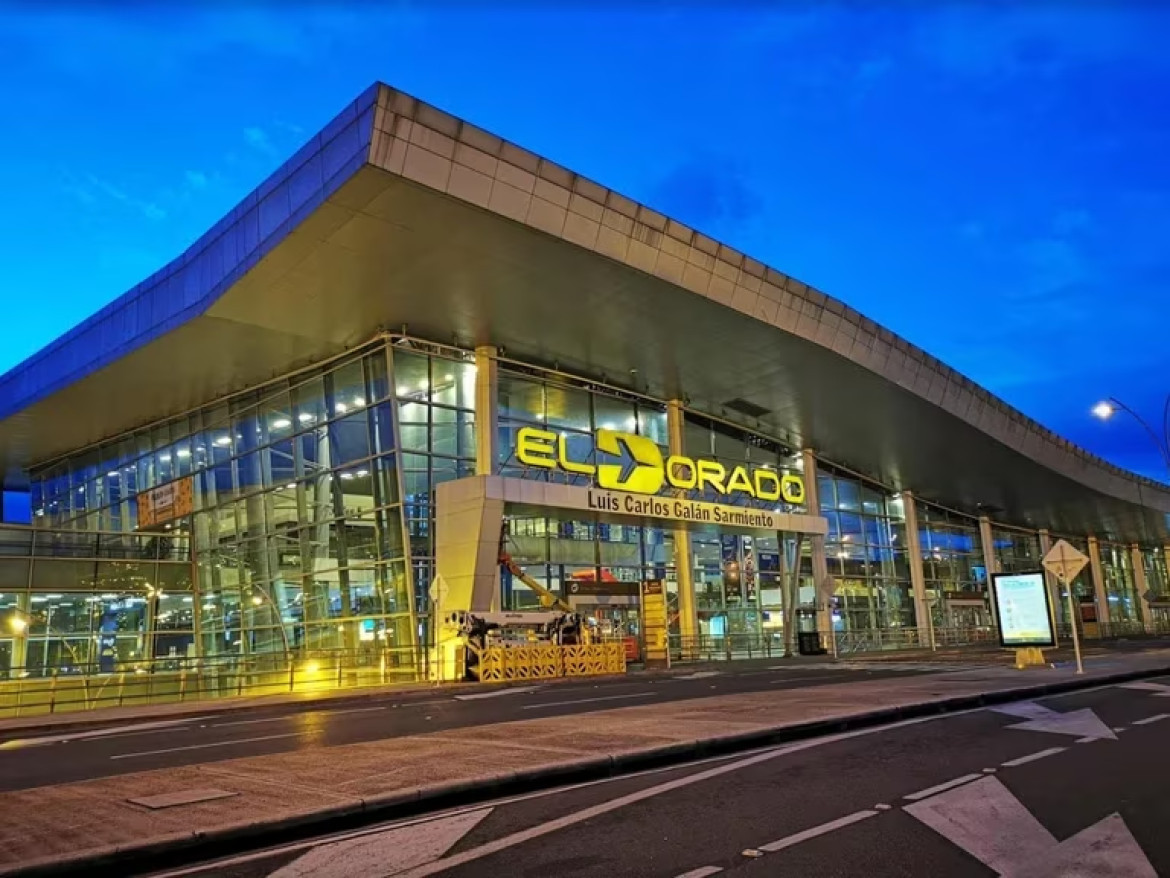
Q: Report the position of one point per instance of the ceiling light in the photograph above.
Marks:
(281, 424)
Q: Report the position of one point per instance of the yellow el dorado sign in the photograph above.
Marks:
(650, 472)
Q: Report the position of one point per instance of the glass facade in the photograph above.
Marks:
(1120, 584)
(91, 603)
(312, 521)
(1016, 551)
(953, 568)
(865, 551)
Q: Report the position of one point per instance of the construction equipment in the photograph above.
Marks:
(547, 598)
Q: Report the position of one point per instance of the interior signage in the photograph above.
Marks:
(649, 472)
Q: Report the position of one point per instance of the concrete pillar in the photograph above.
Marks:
(824, 587)
(1058, 607)
(487, 409)
(469, 514)
(922, 610)
(987, 541)
(684, 568)
(1141, 585)
(1098, 582)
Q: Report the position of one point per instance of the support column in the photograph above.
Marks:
(1141, 586)
(922, 609)
(487, 409)
(1057, 606)
(1098, 582)
(987, 540)
(824, 587)
(684, 569)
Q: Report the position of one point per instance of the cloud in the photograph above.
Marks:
(92, 191)
(258, 139)
(1035, 38)
(1068, 222)
(79, 38)
(706, 192)
(196, 179)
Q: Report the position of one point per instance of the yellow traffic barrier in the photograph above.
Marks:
(497, 664)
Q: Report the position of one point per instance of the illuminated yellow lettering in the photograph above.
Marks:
(680, 472)
(648, 473)
(537, 447)
(571, 466)
(767, 485)
(711, 473)
(793, 489)
(739, 481)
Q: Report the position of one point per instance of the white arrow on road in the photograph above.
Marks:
(385, 853)
(1078, 723)
(1159, 689)
(992, 825)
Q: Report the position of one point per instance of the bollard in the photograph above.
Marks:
(292, 670)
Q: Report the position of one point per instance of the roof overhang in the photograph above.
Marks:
(383, 252)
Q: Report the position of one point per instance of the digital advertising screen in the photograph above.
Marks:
(1021, 605)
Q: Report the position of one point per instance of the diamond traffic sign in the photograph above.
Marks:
(1065, 561)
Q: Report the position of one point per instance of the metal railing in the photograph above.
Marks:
(175, 680)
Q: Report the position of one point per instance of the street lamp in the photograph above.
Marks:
(1107, 408)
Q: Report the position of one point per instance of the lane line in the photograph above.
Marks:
(930, 791)
(353, 710)
(206, 746)
(1032, 757)
(824, 828)
(557, 825)
(1157, 717)
(250, 722)
(1089, 740)
(173, 725)
(701, 872)
(587, 700)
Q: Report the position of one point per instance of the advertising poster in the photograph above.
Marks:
(1021, 606)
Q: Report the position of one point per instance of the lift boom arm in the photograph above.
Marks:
(548, 599)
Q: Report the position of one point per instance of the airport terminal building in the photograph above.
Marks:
(312, 432)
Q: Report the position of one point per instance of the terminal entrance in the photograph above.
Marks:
(616, 573)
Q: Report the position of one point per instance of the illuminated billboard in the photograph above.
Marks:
(1021, 606)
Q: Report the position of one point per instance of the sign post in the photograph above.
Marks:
(1065, 561)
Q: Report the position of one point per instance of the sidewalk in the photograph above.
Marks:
(94, 824)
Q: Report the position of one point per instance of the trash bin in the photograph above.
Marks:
(809, 643)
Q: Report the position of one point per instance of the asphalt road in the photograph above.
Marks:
(68, 756)
(1075, 785)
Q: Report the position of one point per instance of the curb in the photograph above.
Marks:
(186, 849)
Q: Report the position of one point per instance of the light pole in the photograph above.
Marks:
(1107, 408)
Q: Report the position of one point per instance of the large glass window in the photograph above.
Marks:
(954, 570)
(866, 553)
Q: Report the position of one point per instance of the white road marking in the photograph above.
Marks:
(1088, 740)
(992, 825)
(587, 700)
(354, 710)
(1157, 717)
(1082, 723)
(1119, 728)
(1032, 757)
(387, 853)
(205, 746)
(137, 729)
(881, 806)
(701, 872)
(250, 722)
(930, 791)
(496, 693)
(823, 829)
(1160, 690)
(581, 816)
(698, 675)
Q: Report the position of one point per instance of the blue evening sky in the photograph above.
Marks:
(991, 183)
